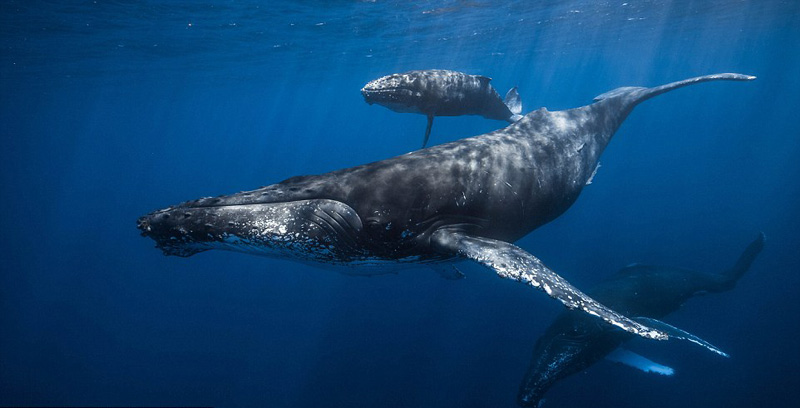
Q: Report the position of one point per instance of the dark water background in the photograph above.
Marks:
(111, 109)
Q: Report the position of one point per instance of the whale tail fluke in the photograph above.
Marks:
(742, 265)
(635, 95)
(514, 103)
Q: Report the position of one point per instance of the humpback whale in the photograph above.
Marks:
(439, 92)
(468, 199)
(574, 342)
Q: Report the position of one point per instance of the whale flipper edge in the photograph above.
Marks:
(512, 262)
(676, 333)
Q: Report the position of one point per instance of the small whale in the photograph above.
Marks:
(467, 199)
(439, 92)
(573, 342)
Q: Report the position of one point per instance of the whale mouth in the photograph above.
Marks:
(398, 99)
(315, 230)
(370, 95)
(387, 92)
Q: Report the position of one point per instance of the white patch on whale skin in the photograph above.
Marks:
(562, 123)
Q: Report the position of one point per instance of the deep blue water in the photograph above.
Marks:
(111, 109)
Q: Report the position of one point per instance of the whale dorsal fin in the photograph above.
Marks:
(633, 268)
(483, 79)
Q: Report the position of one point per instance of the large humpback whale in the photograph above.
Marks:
(468, 199)
(573, 342)
(439, 92)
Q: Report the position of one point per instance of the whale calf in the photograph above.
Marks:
(573, 342)
(468, 199)
(439, 92)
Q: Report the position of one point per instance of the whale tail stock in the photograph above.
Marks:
(611, 108)
(514, 104)
(634, 95)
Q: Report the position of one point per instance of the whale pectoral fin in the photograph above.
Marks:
(511, 262)
(638, 362)
(427, 131)
(676, 333)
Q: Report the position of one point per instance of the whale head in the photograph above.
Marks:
(405, 93)
(316, 230)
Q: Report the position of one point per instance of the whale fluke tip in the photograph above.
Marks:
(742, 77)
(731, 76)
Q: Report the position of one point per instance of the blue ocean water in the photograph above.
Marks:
(112, 109)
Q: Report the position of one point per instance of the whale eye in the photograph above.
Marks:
(372, 224)
(375, 227)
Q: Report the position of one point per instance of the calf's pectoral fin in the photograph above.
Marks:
(427, 131)
(511, 262)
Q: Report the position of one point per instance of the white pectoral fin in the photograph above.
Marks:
(629, 358)
(676, 333)
(511, 262)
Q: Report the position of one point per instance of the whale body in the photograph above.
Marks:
(574, 342)
(440, 92)
(468, 199)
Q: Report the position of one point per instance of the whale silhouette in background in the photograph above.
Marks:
(468, 199)
(574, 341)
(439, 92)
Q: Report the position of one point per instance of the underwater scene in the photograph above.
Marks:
(456, 203)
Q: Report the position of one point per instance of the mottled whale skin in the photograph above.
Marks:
(573, 342)
(468, 199)
(440, 92)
